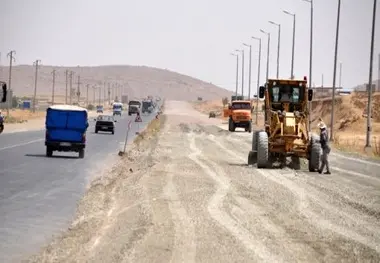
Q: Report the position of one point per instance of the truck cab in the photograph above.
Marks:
(134, 107)
(99, 109)
(66, 127)
(239, 114)
(147, 106)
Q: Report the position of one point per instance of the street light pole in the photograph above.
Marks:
(87, 86)
(258, 79)
(311, 55)
(11, 60)
(369, 109)
(278, 47)
(250, 70)
(268, 34)
(340, 75)
(36, 63)
(237, 72)
(242, 70)
(334, 76)
(294, 39)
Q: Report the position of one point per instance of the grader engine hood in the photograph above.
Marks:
(289, 124)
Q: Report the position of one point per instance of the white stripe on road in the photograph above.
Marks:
(21, 144)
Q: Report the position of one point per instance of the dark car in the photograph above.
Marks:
(105, 123)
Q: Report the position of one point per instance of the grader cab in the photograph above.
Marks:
(285, 132)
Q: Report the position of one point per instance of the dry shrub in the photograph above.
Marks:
(356, 144)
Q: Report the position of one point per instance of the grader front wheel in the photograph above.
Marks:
(262, 150)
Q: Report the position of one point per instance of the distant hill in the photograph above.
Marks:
(138, 81)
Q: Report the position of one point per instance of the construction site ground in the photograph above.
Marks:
(350, 120)
(186, 194)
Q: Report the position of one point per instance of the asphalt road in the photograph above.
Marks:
(38, 195)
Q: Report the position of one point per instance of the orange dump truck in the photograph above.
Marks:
(239, 114)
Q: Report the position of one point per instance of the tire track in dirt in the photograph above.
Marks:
(314, 218)
(214, 206)
(359, 185)
(184, 240)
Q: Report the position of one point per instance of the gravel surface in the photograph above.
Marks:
(187, 195)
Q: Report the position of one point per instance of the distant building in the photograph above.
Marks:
(325, 91)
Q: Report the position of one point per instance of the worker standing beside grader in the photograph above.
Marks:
(285, 130)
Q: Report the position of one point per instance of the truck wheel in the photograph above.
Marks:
(81, 153)
(113, 132)
(254, 141)
(49, 151)
(262, 150)
(315, 151)
(96, 130)
(249, 127)
(231, 125)
(252, 157)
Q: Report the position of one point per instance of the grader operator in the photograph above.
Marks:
(285, 130)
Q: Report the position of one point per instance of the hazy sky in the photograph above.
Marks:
(191, 37)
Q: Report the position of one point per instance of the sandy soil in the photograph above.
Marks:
(186, 195)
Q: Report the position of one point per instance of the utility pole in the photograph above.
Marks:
(237, 73)
(87, 86)
(258, 79)
(242, 70)
(268, 34)
(294, 39)
(334, 76)
(52, 97)
(11, 60)
(67, 77)
(36, 63)
(109, 93)
(278, 47)
(250, 71)
(100, 94)
(104, 92)
(71, 87)
(78, 89)
(369, 109)
(94, 89)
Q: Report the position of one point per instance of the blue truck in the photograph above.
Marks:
(66, 127)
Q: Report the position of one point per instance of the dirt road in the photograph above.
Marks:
(188, 196)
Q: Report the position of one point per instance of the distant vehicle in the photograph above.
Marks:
(147, 106)
(99, 109)
(66, 127)
(105, 123)
(117, 108)
(134, 107)
(133, 110)
(3, 86)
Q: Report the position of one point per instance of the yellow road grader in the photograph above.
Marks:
(285, 130)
